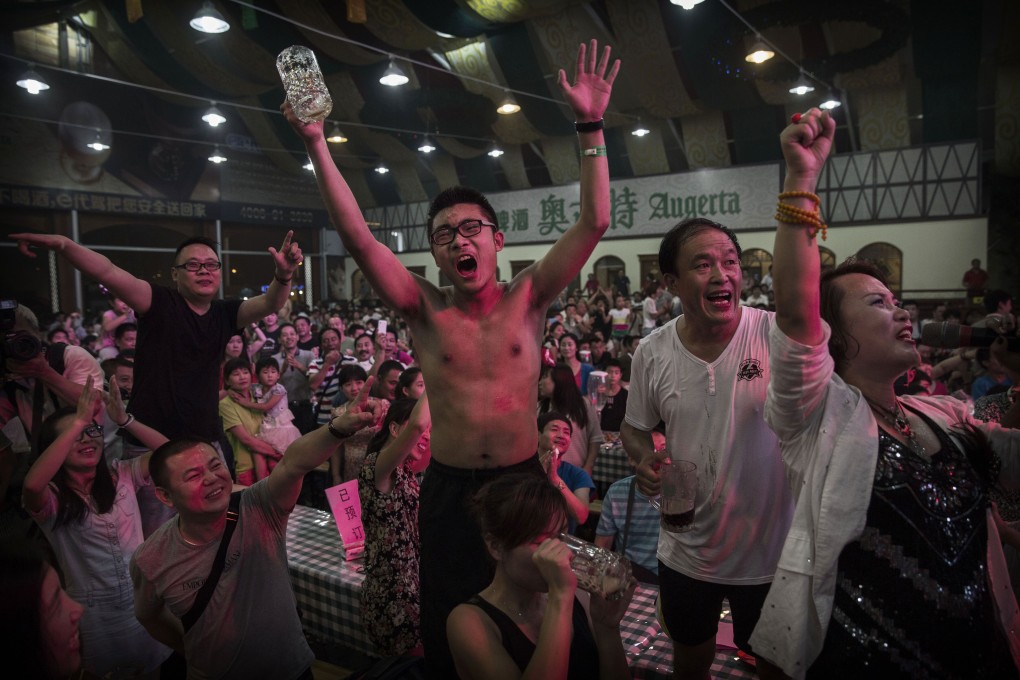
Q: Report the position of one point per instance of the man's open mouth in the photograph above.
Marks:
(721, 299)
(467, 264)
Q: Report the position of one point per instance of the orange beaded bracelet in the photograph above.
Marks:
(790, 214)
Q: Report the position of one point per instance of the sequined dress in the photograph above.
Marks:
(912, 597)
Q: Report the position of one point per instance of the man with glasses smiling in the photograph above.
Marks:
(181, 333)
(483, 402)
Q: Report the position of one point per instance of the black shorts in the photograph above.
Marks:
(455, 563)
(689, 609)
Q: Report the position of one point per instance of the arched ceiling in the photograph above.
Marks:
(683, 75)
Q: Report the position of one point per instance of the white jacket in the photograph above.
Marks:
(829, 441)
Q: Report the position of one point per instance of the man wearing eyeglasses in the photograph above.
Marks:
(181, 333)
(483, 406)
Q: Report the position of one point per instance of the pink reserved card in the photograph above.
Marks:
(346, 506)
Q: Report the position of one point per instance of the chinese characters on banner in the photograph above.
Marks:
(346, 506)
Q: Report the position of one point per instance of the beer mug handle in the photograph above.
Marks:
(656, 501)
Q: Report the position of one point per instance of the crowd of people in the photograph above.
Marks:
(846, 473)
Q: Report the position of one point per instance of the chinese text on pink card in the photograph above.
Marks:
(346, 506)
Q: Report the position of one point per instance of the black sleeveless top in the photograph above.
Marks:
(584, 655)
(912, 597)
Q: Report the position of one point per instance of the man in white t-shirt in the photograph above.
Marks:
(705, 375)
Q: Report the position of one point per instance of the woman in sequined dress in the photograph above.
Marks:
(891, 565)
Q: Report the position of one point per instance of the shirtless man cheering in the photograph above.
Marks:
(483, 405)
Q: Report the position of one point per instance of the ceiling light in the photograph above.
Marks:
(687, 4)
(335, 136)
(802, 86)
(393, 76)
(382, 169)
(97, 144)
(426, 146)
(33, 82)
(214, 116)
(208, 20)
(760, 52)
(508, 105)
(217, 157)
(832, 102)
(496, 152)
(640, 130)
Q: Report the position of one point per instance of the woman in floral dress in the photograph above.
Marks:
(390, 601)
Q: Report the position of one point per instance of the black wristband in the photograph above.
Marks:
(285, 282)
(593, 126)
(335, 432)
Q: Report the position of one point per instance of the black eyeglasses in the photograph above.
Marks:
(194, 266)
(444, 234)
(93, 430)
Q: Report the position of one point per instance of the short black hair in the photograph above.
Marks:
(389, 365)
(993, 298)
(327, 329)
(683, 231)
(550, 416)
(263, 363)
(616, 363)
(54, 331)
(455, 195)
(349, 372)
(157, 462)
(120, 330)
(235, 364)
(196, 240)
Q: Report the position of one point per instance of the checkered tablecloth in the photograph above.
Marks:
(327, 588)
(650, 651)
(611, 464)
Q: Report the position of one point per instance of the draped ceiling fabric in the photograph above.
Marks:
(684, 76)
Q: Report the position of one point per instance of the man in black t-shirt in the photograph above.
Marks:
(182, 330)
(616, 398)
(271, 329)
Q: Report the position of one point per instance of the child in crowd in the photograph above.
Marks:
(388, 487)
(345, 463)
(621, 318)
(270, 399)
(242, 424)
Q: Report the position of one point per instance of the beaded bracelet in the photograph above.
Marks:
(785, 213)
(594, 151)
(801, 194)
(592, 126)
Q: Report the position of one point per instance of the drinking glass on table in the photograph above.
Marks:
(679, 491)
